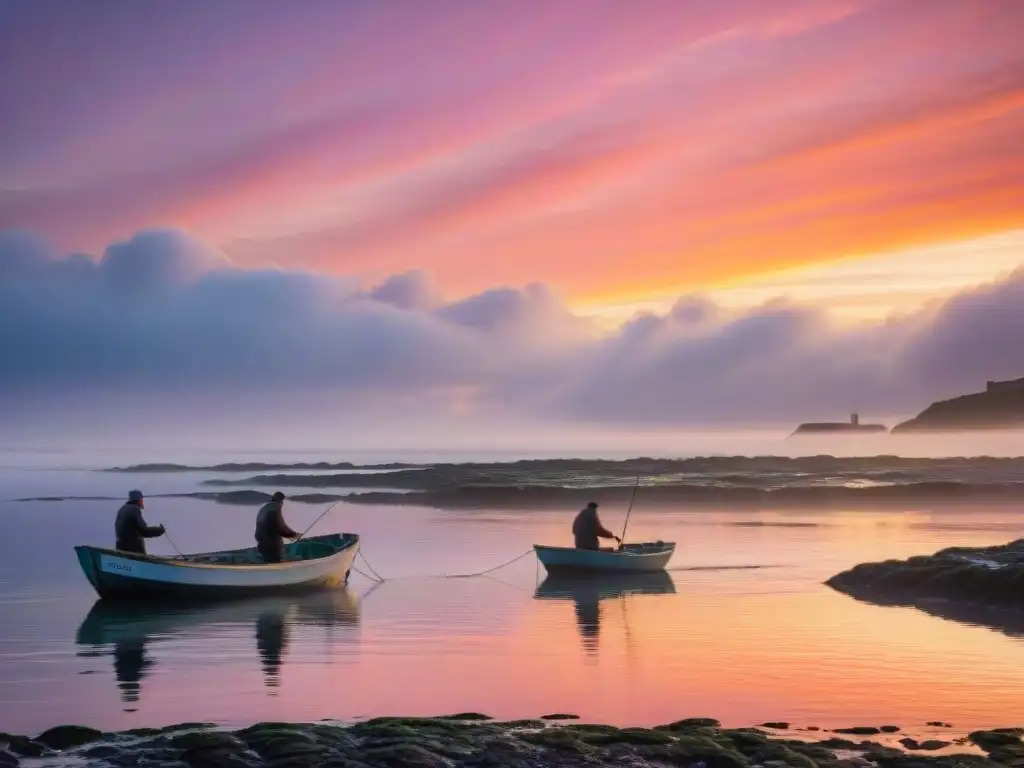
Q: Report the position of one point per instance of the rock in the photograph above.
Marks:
(974, 581)
(860, 730)
(939, 724)
(930, 745)
(997, 738)
(407, 756)
(776, 726)
(689, 723)
(21, 745)
(834, 743)
(466, 716)
(559, 716)
(68, 736)
(205, 740)
(889, 729)
(455, 742)
(102, 752)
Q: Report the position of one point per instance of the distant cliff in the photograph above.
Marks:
(1000, 406)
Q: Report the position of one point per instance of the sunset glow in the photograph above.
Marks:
(622, 154)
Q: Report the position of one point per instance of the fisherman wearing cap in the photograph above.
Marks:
(130, 529)
(271, 529)
(586, 528)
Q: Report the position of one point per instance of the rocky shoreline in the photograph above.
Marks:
(470, 740)
(986, 576)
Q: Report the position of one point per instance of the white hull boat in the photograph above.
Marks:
(649, 556)
(318, 561)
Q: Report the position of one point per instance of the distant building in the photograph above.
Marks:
(1013, 385)
(853, 425)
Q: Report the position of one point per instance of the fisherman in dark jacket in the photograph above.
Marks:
(271, 529)
(130, 529)
(586, 528)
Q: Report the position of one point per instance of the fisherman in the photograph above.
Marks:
(586, 528)
(130, 529)
(271, 529)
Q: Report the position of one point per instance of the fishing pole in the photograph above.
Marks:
(175, 546)
(632, 498)
(319, 518)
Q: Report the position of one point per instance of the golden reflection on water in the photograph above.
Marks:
(711, 637)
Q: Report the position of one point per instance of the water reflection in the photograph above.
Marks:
(587, 592)
(1000, 618)
(127, 631)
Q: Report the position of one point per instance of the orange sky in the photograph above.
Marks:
(623, 157)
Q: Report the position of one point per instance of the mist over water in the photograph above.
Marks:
(159, 438)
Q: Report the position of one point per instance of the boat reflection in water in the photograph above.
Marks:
(127, 631)
(587, 591)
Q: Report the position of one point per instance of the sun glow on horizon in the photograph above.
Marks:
(867, 287)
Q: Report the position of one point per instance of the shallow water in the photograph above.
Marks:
(714, 637)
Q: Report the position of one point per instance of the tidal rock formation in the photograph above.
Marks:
(979, 575)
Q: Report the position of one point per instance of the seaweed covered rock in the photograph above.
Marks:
(987, 575)
(479, 742)
(68, 736)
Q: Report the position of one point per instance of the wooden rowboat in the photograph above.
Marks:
(649, 556)
(318, 561)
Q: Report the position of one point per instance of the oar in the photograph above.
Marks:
(632, 498)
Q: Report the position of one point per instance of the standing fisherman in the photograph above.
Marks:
(130, 529)
(586, 528)
(271, 529)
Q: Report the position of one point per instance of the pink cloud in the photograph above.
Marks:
(513, 143)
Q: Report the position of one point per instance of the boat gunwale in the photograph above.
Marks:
(669, 546)
(178, 562)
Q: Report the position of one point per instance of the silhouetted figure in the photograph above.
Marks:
(588, 619)
(271, 638)
(130, 529)
(271, 529)
(131, 664)
(586, 528)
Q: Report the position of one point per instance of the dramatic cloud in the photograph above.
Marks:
(163, 314)
(617, 150)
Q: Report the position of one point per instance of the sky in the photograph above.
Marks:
(587, 211)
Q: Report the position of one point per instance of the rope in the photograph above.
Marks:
(482, 573)
(367, 576)
(380, 579)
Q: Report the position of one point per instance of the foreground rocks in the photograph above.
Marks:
(469, 740)
(981, 575)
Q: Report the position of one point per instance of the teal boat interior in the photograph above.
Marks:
(313, 548)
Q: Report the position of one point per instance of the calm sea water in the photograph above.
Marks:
(714, 637)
